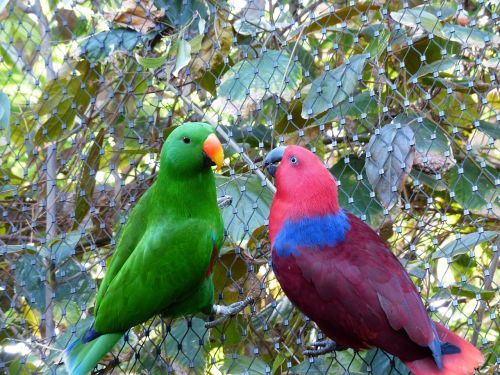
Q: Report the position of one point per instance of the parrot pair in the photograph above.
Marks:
(164, 259)
(344, 277)
(329, 263)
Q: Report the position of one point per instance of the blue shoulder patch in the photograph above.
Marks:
(317, 231)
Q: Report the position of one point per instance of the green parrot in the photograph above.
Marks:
(164, 259)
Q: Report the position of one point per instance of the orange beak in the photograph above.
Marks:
(213, 149)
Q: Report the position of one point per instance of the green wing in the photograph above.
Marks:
(165, 270)
(132, 233)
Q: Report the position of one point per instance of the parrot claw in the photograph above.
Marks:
(325, 346)
(224, 201)
(228, 311)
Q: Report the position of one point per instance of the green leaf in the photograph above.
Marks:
(250, 207)
(62, 248)
(152, 62)
(5, 114)
(179, 12)
(28, 273)
(493, 130)
(474, 187)
(389, 160)
(435, 182)
(196, 43)
(70, 282)
(315, 366)
(63, 99)
(470, 35)
(243, 365)
(464, 244)
(418, 17)
(354, 190)
(378, 43)
(335, 17)
(86, 185)
(333, 87)
(102, 45)
(435, 67)
(249, 82)
(382, 363)
(187, 338)
(471, 291)
(356, 107)
(11, 249)
(183, 56)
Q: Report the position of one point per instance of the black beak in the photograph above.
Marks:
(273, 158)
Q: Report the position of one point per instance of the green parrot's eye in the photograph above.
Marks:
(186, 140)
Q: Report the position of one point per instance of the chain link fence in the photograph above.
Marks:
(400, 99)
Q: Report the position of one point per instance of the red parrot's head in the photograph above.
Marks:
(304, 185)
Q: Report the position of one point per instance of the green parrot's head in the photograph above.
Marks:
(191, 148)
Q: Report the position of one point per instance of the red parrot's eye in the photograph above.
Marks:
(293, 160)
(186, 140)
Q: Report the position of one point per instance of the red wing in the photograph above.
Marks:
(362, 279)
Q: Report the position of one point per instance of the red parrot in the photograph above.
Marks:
(343, 276)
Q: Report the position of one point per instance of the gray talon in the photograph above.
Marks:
(227, 311)
(324, 347)
(224, 201)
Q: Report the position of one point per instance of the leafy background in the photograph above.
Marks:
(400, 99)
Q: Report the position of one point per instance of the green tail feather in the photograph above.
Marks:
(81, 358)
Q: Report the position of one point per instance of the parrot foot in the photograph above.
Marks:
(325, 346)
(224, 201)
(228, 311)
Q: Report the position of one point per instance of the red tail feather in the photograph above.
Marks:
(462, 363)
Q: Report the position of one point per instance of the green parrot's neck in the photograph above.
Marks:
(191, 194)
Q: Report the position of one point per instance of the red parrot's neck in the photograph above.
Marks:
(311, 203)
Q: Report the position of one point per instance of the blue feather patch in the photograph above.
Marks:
(90, 335)
(318, 231)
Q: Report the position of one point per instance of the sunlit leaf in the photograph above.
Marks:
(471, 291)
(152, 62)
(435, 67)
(464, 244)
(469, 35)
(418, 18)
(183, 56)
(333, 17)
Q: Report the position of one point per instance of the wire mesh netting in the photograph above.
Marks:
(399, 98)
